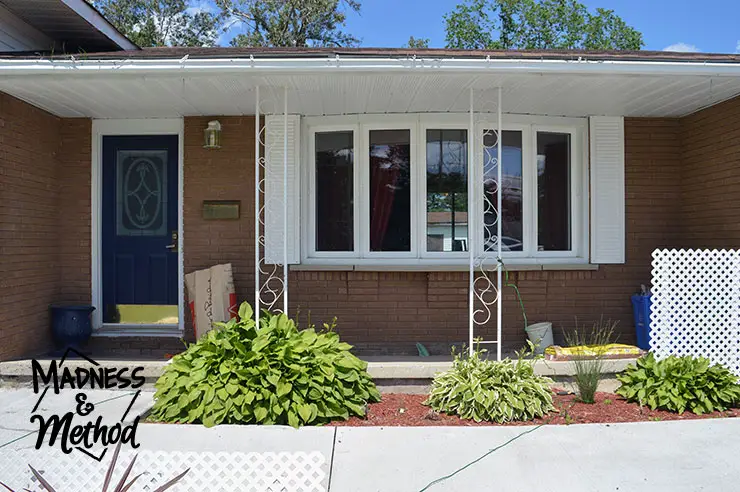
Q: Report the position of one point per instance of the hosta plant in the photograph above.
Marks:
(481, 389)
(678, 384)
(272, 374)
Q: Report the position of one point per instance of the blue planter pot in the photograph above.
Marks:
(70, 324)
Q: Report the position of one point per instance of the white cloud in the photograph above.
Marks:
(682, 47)
(737, 48)
(198, 6)
(232, 27)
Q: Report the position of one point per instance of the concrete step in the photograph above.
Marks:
(387, 371)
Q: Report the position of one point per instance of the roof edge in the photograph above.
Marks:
(93, 17)
(442, 53)
(367, 64)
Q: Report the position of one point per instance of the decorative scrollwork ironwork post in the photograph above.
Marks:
(484, 214)
(271, 279)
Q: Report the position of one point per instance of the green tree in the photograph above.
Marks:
(537, 24)
(161, 22)
(291, 23)
(417, 43)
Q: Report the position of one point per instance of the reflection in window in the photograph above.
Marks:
(447, 190)
(553, 191)
(511, 199)
(390, 190)
(334, 191)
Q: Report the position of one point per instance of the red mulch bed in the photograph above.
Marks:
(396, 409)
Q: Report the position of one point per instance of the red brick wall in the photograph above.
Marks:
(220, 174)
(711, 177)
(44, 221)
(29, 265)
(74, 209)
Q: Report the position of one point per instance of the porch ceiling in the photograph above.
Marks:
(125, 95)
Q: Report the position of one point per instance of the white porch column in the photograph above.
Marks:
(257, 169)
(285, 200)
(472, 222)
(275, 158)
(499, 220)
(483, 292)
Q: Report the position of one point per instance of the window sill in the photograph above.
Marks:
(431, 267)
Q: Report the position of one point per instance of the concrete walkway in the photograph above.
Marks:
(651, 456)
(16, 407)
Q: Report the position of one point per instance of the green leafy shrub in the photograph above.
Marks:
(480, 389)
(677, 384)
(277, 374)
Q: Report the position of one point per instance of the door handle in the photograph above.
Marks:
(173, 246)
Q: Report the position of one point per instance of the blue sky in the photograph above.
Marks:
(709, 26)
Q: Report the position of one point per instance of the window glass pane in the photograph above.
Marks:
(334, 191)
(390, 190)
(553, 191)
(511, 199)
(141, 198)
(447, 190)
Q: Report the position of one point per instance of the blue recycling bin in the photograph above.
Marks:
(641, 309)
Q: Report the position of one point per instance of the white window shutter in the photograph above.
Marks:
(607, 189)
(274, 165)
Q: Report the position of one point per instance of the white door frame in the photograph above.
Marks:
(101, 128)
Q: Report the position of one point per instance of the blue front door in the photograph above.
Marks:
(140, 215)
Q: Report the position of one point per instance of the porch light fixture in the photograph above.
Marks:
(212, 135)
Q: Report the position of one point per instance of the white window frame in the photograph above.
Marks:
(418, 124)
(577, 185)
(309, 207)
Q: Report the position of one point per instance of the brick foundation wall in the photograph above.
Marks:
(711, 177)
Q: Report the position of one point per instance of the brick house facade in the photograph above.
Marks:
(681, 178)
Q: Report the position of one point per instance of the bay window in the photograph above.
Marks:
(394, 189)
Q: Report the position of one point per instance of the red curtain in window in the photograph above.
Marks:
(383, 177)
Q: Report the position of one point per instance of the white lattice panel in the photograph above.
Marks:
(209, 472)
(696, 305)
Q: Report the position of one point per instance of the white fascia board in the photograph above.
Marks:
(338, 64)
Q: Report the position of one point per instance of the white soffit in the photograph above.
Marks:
(132, 95)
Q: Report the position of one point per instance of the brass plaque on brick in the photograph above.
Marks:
(221, 209)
